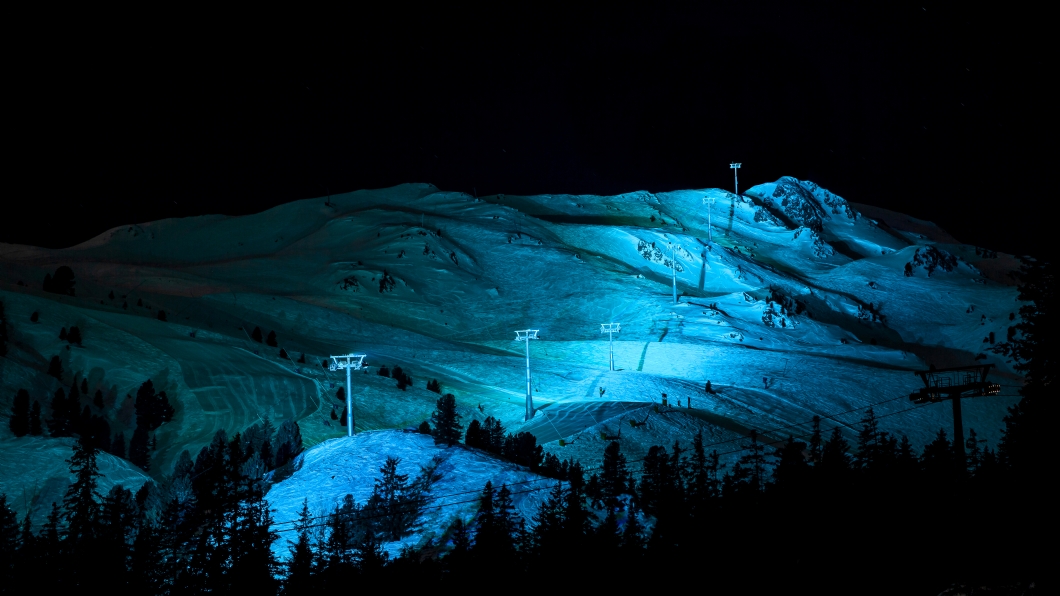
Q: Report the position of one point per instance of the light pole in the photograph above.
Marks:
(349, 362)
(736, 179)
(709, 202)
(525, 336)
(611, 329)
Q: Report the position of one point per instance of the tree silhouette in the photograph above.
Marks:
(445, 421)
(19, 421)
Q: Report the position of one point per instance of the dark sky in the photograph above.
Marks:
(928, 110)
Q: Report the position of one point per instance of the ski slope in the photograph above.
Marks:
(793, 303)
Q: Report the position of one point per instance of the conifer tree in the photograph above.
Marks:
(60, 424)
(473, 436)
(868, 442)
(815, 442)
(9, 540)
(139, 449)
(1025, 443)
(62, 334)
(271, 340)
(97, 400)
(835, 462)
(74, 335)
(55, 368)
(614, 477)
(256, 334)
(791, 473)
(300, 567)
(117, 445)
(81, 504)
(633, 541)
(445, 421)
(35, 428)
(547, 536)
(19, 421)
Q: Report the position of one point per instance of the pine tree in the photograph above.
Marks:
(60, 424)
(473, 436)
(98, 399)
(434, 386)
(74, 335)
(19, 421)
(301, 358)
(256, 334)
(1025, 444)
(84, 386)
(445, 421)
(139, 449)
(868, 442)
(117, 445)
(81, 505)
(835, 462)
(614, 477)
(283, 354)
(633, 541)
(55, 368)
(791, 473)
(35, 428)
(61, 283)
(271, 340)
(62, 334)
(300, 567)
(547, 536)
(161, 315)
(815, 441)
(938, 462)
(9, 540)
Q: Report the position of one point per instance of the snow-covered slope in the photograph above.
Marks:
(350, 466)
(793, 303)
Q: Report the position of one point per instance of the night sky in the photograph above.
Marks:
(914, 107)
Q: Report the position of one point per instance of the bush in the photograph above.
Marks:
(62, 283)
(74, 335)
(425, 428)
(161, 315)
(384, 371)
(55, 368)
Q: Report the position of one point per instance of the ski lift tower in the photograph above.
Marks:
(735, 167)
(709, 202)
(955, 384)
(673, 267)
(350, 362)
(611, 329)
(525, 336)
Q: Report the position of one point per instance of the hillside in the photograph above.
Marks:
(801, 305)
